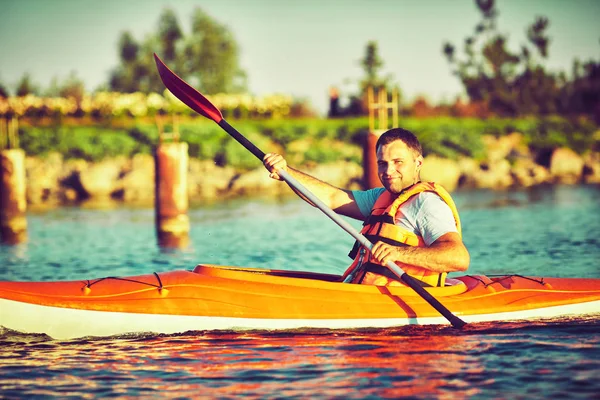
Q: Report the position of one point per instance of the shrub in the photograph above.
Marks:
(309, 140)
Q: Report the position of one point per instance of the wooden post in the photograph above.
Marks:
(381, 107)
(171, 194)
(370, 177)
(13, 203)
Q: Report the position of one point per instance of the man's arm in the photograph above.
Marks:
(447, 254)
(339, 200)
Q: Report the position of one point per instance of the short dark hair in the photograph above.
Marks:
(406, 136)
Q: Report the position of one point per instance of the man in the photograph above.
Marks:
(411, 223)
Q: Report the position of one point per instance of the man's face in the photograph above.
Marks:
(397, 166)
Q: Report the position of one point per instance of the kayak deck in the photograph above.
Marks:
(218, 297)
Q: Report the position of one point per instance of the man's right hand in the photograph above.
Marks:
(274, 162)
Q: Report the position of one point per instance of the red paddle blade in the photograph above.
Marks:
(187, 94)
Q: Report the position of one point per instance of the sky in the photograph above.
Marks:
(297, 47)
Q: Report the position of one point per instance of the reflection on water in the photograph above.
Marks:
(542, 231)
(491, 360)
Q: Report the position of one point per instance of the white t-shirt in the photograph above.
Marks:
(424, 214)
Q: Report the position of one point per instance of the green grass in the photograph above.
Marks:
(319, 140)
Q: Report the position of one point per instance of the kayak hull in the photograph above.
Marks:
(230, 298)
(69, 323)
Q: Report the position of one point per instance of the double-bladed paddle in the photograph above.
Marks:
(197, 102)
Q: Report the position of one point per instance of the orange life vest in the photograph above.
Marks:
(380, 226)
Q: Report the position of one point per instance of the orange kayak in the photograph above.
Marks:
(229, 298)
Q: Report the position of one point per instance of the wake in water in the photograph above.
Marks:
(580, 324)
(542, 359)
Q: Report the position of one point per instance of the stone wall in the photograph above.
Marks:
(52, 181)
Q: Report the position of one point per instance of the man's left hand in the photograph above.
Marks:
(383, 253)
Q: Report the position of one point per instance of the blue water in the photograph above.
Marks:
(545, 231)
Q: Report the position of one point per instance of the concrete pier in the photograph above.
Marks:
(171, 195)
(370, 177)
(13, 203)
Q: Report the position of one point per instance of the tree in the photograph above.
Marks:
(135, 72)
(211, 56)
(128, 48)
(3, 91)
(169, 33)
(581, 95)
(372, 64)
(72, 86)
(509, 83)
(208, 57)
(25, 86)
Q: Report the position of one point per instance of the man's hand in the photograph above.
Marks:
(274, 162)
(447, 254)
(383, 253)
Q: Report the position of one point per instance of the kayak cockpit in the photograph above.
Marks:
(315, 279)
(232, 272)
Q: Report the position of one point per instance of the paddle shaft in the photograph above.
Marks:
(293, 182)
(258, 153)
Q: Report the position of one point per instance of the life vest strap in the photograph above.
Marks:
(373, 219)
